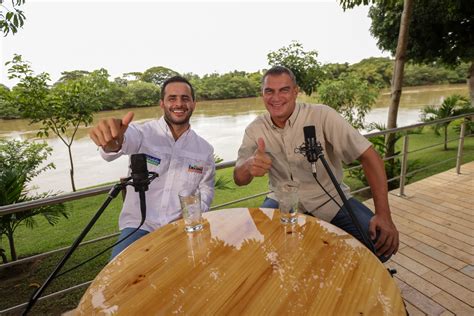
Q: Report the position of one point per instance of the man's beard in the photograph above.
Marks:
(183, 121)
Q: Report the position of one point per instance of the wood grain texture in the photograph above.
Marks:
(245, 261)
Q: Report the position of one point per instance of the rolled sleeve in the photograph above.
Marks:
(206, 185)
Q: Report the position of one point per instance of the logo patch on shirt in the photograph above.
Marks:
(195, 168)
(153, 160)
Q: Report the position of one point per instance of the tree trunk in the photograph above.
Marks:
(470, 82)
(11, 243)
(2, 254)
(397, 79)
(71, 171)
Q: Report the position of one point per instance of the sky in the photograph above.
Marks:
(195, 36)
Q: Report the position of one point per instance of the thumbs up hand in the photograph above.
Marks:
(260, 163)
(108, 133)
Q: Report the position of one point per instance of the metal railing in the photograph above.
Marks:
(19, 207)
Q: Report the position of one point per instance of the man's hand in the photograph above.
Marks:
(387, 242)
(108, 133)
(260, 163)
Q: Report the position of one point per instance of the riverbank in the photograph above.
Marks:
(221, 123)
(16, 288)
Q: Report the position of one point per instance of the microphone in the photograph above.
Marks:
(310, 146)
(140, 179)
(139, 172)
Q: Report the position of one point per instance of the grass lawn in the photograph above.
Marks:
(17, 283)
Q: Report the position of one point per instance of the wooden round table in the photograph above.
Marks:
(244, 261)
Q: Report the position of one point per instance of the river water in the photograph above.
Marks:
(222, 123)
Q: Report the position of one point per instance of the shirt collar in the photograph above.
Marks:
(163, 125)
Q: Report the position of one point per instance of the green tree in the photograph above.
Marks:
(442, 31)
(141, 94)
(8, 108)
(304, 65)
(403, 20)
(62, 108)
(73, 75)
(376, 70)
(451, 106)
(20, 162)
(11, 17)
(350, 96)
(157, 75)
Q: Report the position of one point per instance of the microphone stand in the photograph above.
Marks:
(111, 195)
(317, 152)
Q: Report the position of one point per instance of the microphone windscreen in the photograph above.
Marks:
(309, 134)
(310, 143)
(138, 164)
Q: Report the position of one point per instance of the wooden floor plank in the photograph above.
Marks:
(435, 262)
(453, 304)
(421, 303)
(433, 234)
(427, 261)
(460, 278)
(449, 286)
(454, 252)
(466, 220)
(426, 288)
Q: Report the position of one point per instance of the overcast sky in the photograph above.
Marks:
(186, 36)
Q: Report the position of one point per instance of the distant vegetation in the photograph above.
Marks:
(141, 89)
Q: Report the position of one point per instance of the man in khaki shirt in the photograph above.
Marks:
(269, 146)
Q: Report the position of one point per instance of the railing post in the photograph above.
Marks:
(403, 169)
(460, 147)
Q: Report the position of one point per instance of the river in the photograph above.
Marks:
(222, 123)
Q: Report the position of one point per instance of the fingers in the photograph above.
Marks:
(388, 240)
(260, 145)
(261, 162)
(127, 118)
(372, 229)
(108, 133)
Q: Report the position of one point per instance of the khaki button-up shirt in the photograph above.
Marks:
(340, 143)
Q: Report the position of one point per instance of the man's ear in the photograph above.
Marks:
(162, 104)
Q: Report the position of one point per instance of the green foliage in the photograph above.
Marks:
(334, 70)
(157, 75)
(392, 166)
(440, 30)
(73, 75)
(236, 84)
(304, 65)
(20, 162)
(142, 94)
(8, 108)
(451, 106)
(350, 96)
(11, 17)
(377, 71)
(221, 182)
(60, 109)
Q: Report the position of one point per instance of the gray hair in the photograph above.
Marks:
(279, 70)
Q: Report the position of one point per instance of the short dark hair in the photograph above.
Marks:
(176, 79)
(279, 70)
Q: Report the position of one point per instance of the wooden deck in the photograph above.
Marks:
(435, 262)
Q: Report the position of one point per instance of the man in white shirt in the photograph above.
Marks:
(182, 159)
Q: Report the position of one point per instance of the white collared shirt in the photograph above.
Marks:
(182, 164)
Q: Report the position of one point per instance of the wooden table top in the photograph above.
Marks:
(245, 261)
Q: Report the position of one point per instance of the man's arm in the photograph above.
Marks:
(373, 166)
(206, 186)
(256, 165)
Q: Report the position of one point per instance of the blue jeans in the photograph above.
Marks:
(343, 220)
(127, 242)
